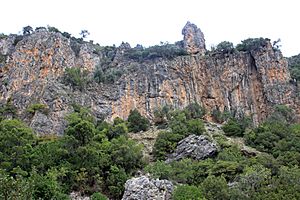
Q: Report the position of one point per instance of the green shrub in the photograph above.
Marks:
(233, 128)
(117, 130)
(16, 145)
(195, 126)
(194, 110)
(252, 44)
(165, 144)
(109, 76)
(225, 47)
(8, 110)
(38, 107)
(187, 192)
(215, 188)
(161, 116)
(137, 122)
(76, 77)
(115, 181)
(168, 51)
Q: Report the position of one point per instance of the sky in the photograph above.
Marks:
(148, 22)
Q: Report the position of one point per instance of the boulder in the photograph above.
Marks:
(144, 188)
(195, 147)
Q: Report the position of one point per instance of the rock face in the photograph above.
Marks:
(144, 188)
(193, 40)
(195, 147)
(244, 83)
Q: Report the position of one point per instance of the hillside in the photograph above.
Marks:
(171, 121)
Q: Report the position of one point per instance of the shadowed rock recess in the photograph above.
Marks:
(240, 82)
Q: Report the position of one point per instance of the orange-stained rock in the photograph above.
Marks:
(244, 83)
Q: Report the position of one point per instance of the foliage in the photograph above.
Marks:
(167, 51)
(195, 126)
(84, 33)
(225, 47)
(184, 192)
(38, 107)
(117, 130)
(108, 76)
(137, 122)
(165, 143)
(233, 128)
(215, 188)
(76, 77)
(294, 66)
(125, 153)
(161, 116)
(27, 30)
(53, 29)
(8, 110)
(116, 181)
(251, 44)
(16, 145)
(194, 110)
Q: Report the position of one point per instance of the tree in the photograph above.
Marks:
(215, 188)
(83, 132)
(116, 180)
(233, 128)
(225, 47)
(84, 33)
(126, 153)
(16, 145)
(137, 122)
(27, 30)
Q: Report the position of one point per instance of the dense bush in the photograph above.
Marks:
(233, 128)
(76, 77)
(8, 110)
(109, 76)
(194, 110)
(184, 192)
(294, 66)
(165, 143)
(225, 47)
(252, 44)
(137, 122)
(167, 51)
(38, 107)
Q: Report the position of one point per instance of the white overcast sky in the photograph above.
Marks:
(148, 22)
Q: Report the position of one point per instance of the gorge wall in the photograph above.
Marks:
(244, 83)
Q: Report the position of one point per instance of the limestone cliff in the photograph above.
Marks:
(242, 82)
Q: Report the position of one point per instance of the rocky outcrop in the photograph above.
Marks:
(195, 147)
(243, 83)
(193, 40)
(144, 188)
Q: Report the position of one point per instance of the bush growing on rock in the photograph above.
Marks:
(38, 107)
(76, 77)
(252, 44)
(225, 47)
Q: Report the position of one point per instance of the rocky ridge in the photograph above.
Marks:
(244, 83)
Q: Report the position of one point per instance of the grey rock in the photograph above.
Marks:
(195, 147)
(193, 40)
(144, 188)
